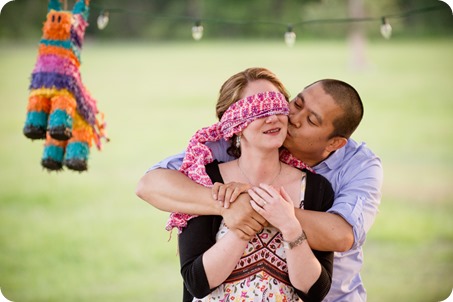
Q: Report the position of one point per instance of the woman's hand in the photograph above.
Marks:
(228, 193)
(275, 206)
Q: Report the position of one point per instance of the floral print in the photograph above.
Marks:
(260, 276)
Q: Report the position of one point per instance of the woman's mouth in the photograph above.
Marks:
(272, 131)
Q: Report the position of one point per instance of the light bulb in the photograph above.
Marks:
(103, 20)
(386, 29)
(197, 31)
(290, 37)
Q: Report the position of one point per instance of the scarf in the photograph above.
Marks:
(235, 119)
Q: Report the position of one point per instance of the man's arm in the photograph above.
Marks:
(357, 197)
(326, 231)
(171, 191)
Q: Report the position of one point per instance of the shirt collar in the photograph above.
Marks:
(334, 160)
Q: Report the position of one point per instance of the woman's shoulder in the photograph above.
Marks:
(319, 194)
(291, 171)
(213, 171)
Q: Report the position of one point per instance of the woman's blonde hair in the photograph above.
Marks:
(231, 90)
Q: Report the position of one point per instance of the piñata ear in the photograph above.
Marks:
(81, 7)
(54, 4)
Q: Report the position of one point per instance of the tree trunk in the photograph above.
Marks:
(357, 40)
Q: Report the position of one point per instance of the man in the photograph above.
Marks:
(321, 120)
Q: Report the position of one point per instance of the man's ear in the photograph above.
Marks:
(336, 143)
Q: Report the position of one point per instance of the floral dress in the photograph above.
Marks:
(261, 274)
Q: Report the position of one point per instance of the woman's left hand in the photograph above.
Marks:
(275, 206)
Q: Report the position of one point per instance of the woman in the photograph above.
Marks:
(277, 264)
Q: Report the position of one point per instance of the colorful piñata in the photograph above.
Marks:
(60, 109)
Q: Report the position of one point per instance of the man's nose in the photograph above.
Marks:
(294, 119)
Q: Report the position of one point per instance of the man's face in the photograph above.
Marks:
(311, 117)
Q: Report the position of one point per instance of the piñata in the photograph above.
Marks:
(60, 109)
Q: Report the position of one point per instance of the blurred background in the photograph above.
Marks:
(71, 236)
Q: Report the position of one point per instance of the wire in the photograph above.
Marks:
(289, 36)
(294, 24)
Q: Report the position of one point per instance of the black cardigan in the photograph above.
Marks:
(200, 235)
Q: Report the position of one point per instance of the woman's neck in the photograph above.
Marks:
(260, 168)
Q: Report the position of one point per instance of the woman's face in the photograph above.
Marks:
(268, 132)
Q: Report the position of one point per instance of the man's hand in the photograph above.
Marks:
(228, 193)
(242, 219)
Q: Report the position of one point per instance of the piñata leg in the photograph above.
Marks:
(38, 109)
(78, 148)
(53, 154)
(61, 116)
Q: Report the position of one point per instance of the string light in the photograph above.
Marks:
(197, 31)
(103, 20)
(290, 36)
(386, 28)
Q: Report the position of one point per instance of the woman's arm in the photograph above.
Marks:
(205, 263)
(221, 259)
(304, 268)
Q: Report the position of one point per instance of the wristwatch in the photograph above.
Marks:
(290, 245)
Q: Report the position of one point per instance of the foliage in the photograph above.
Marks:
(264, 19)
(87, 237)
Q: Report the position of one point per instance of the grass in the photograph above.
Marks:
(86, 237)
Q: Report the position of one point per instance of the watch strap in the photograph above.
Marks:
(289, 245)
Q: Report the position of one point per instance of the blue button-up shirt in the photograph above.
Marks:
(356, 175)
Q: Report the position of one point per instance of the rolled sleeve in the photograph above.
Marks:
(174, 162)
(353, 214)
(359, 197)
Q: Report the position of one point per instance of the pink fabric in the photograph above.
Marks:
(289, 159)
(234, 120)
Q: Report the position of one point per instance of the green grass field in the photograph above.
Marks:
(86, 236)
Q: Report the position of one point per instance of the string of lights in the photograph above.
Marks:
(289, 34)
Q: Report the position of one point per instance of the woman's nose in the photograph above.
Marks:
(271, 118)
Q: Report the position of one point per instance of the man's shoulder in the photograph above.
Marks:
(354, 149)
(353, 156)
(359, 157)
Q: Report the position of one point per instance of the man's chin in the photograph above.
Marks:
(287, 141)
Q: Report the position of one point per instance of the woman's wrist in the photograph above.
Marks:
(289, 245)
(291, 231)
